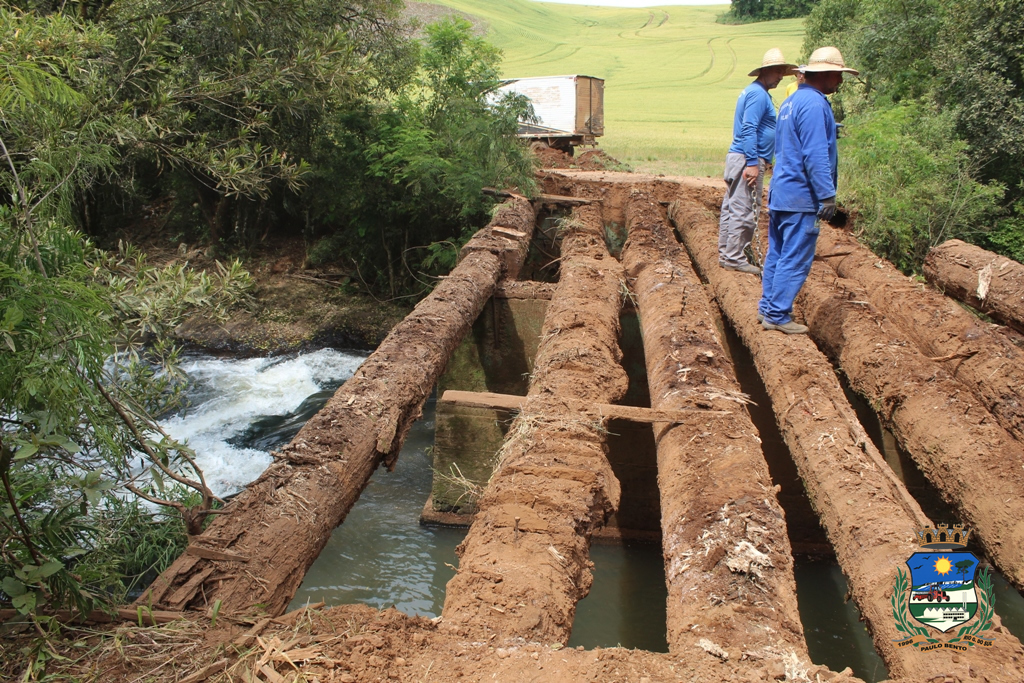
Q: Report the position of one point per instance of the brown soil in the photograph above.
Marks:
(957, 444)
(428, 13)
(357, 643)
(525, 562)
(613, 188)
(991, 283)
(976, 353)
(294, 310)
(274, 530)
(729, 567)
(591, 160)
(870, 517)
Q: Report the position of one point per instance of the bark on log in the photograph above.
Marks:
(980, 355)
(525, 562)
(723, 531)
(870, 518)
(970, 459)
(991, 283)
(281, 521)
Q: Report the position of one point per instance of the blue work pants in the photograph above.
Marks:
(792, 237)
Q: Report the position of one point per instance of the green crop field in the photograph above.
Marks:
(671, 74)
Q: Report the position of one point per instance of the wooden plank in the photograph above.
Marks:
(485, 399)
(543, 198)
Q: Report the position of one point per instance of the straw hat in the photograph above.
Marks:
(773, 58)
(827, 59)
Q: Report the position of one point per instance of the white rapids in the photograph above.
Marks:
(227, 395)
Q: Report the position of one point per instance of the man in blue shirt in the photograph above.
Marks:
(803, 187)
(752, 149)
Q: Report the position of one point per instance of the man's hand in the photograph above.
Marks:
(750, 174)
(828, 209)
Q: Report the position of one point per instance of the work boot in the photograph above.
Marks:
(760, 317)
(789, 328)
(745, 268)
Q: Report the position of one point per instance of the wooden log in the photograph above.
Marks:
(607, 411)
(868, 514)
(979, 355)
(723, 531)
(525, 561)
(933, 418)
(282, 521)
(991, 283)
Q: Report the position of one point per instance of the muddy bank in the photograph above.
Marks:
(292, 312)
(990, 283)
(525, 562)
(354, 643)
(980, 355)
(258, 550)
(728, 562)
(956, 443)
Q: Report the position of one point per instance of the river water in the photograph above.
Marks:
(381, 556)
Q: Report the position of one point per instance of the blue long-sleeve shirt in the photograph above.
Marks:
(806, 157)
(753, 125)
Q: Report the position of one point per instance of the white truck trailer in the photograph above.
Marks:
(569, 109)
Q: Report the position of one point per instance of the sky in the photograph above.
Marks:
(637, 3)
(923, 566)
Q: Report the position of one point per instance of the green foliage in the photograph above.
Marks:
(410, 171)
(1007, 238)
(963, 61)
(766, 10)
(912, 183)
(76, 389)
(982, 83)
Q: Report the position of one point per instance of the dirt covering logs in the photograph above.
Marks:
(525, 562)
(980, 355)
(868, 514)
(991, 283)
(728, 562)
(970, 459)
(257, 552)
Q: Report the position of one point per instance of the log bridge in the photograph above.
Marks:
(603, 401)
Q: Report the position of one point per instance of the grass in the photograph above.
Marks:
(672, 74)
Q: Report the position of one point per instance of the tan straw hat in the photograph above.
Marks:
(773, 58)
(827, 59)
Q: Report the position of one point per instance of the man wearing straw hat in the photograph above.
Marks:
(803, 187)
(752, 149)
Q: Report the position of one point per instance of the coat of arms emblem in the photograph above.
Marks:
(944, 591)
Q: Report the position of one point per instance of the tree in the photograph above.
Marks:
(766, 10)
(76, 392)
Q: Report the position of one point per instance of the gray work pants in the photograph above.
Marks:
(736, 222)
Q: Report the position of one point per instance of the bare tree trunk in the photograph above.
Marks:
(991, 283)
(723, 532)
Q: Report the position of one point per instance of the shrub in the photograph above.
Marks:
(912, 183)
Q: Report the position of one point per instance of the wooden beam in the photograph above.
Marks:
(484, 399)
(542, 198)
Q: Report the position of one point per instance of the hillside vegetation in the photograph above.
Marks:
(672, 74)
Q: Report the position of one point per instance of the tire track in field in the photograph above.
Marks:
(710, 66)
(570, 53)
(732, 66)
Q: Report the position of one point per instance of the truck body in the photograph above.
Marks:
(569, 109)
